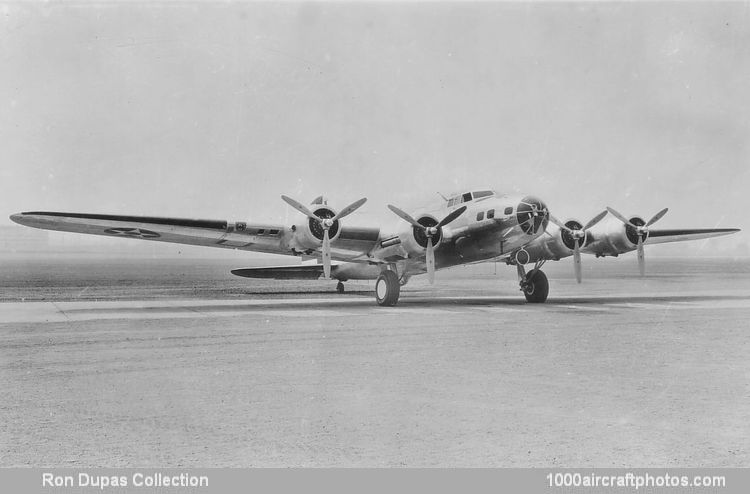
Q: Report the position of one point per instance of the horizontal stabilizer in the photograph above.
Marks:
(307, 272)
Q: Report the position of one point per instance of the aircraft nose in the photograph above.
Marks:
(532, 215)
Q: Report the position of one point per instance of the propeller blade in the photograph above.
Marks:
(404, 216)
(326, 254)
(452, 216)
(657, 217)
(577, 261)
(430, 260)
(299, 207)
(349, 209)
(596, 219)
(641, 257)
(620, 217)
(559, 223)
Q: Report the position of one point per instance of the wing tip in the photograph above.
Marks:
(17, 218)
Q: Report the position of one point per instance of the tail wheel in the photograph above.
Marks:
(536, 287)
(387, 289)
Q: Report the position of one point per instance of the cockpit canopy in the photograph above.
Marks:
(469, 196)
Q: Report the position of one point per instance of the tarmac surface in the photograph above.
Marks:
(177, 363)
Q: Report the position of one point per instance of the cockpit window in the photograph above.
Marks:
(482, 193)
(469, 196)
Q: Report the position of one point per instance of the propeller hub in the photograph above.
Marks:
(323, 223)
(636, 229)
(574, 234)
(429, 230)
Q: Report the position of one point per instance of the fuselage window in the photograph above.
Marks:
(480, 215)
(490, 214)
(482, 193)
(508, 210)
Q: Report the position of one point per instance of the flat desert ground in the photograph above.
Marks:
(175, 362)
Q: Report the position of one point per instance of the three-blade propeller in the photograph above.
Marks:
(641, 232)
(578, 239)
(429, 231)
(325, 224)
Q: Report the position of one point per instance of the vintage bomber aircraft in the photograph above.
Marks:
(471, 227)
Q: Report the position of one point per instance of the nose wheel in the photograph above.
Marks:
(340, 287)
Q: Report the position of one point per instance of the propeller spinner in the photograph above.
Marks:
(641, 232)
(429, 232)
(325, 224)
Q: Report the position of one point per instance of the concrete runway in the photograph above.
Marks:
(618, 371)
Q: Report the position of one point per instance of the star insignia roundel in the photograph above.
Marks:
(132, 232)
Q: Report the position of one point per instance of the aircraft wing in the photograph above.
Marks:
(301, 272)
(343, 272)
(208, 233)
(663, 236)
(352, 244)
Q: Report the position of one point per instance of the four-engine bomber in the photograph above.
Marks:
(470, 227)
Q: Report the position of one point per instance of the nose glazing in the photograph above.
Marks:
(532, 215)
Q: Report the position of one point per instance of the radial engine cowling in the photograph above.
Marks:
(414, 240)
(618, 237)
(309, 235)
(556, 245)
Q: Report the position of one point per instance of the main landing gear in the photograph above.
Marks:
(534, 284)
(340, 287)
(387, 288)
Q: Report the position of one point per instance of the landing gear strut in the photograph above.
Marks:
(534, 284)
(387, 289)
(340, 287)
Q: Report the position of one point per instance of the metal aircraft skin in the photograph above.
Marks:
(470, 227)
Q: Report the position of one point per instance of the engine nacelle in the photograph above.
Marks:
(560, 243)
(614, 237)
(414, 240)
(309, 235)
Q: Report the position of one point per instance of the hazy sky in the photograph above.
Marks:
(213, 110)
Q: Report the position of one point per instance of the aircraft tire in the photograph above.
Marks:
(536, 287)
(387, 289)
(340, 287)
